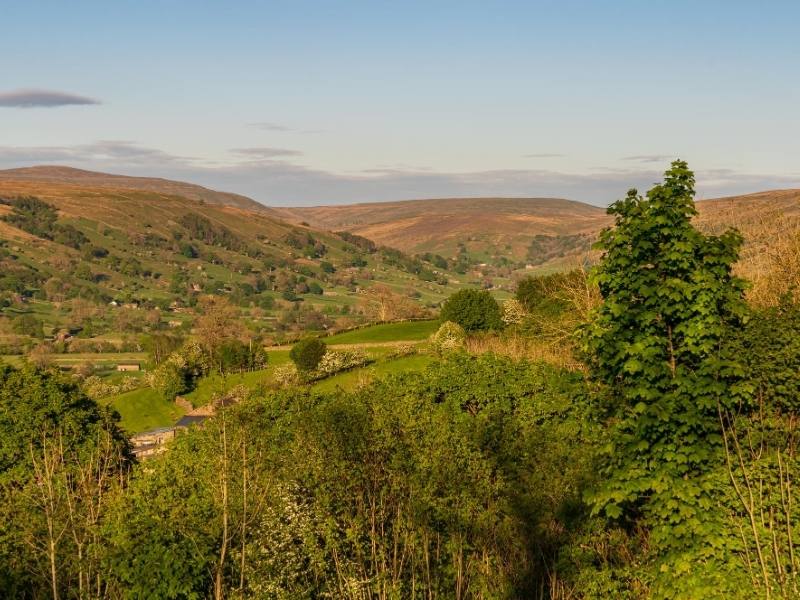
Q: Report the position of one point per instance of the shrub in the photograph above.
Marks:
(474, 310)
(402, 350)
(513, 312)
(336, 361)
(307, 354)
(96, 387)
(450, 336)
(286, 375)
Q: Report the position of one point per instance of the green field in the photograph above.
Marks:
(411, 331)
(351, 379)
(212, 385)
(144, 409)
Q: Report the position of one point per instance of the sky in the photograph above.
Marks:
(304, 103)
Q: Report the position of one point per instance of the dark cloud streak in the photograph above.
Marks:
(31, 98)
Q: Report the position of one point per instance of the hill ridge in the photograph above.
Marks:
(96, 179)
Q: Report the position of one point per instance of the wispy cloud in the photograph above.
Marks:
(649, 158)
(280, 128)
(262, 153)
(266, 126)
(544, 155)
(113, 152)
(31, 98)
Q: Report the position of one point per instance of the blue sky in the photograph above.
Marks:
(297, 103)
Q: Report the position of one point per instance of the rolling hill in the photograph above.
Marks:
(543, 231)
(487, 227)
(35, 180)
(78, 254)
(153, 242)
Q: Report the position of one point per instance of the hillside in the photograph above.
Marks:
(539, 231)
(112, 261)
(770, 224)
(38, 177)
(487, 227)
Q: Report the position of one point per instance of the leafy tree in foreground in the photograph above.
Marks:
(453, 483)
(474, 310)
(653, 348)
(60, 455)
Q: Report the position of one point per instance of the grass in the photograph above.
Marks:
(209, 386)
(144, 409)
(352, 379)
(411, 331)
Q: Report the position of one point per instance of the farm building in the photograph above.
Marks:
(150, 443)
(129, 367)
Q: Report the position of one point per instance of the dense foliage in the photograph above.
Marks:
(440, 483)
(474, 310)
(59, 456)
(307, 354)
(40, 219)
(662, 466)
(653, 348)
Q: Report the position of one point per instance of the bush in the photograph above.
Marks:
(513, 312)
(236, 356)
(307, 354)
(286, 375)
(336, 361)
(474, 310)
(450, 336)
(402, 350)
(95, 387)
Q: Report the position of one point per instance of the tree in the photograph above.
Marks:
(450, 336)
(653, 348)
(169, 379)
(218, 322)
(382, 304)
(28, 325)
(307, 354)
(234, 355)
(513, 312)
(60, 454)
(474, 310)
(160, 345)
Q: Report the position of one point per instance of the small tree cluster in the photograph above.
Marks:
(474, 310)
(307, 354)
